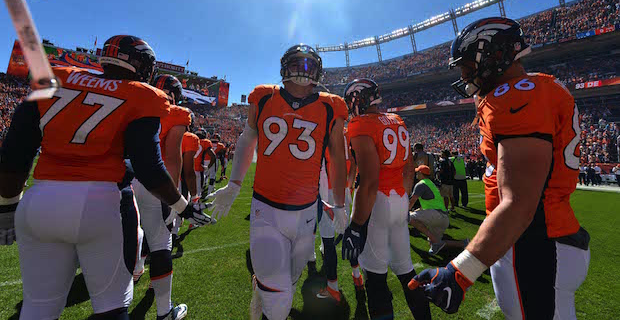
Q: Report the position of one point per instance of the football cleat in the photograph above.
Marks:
(329, 293)
(358, 282)
(177, 313)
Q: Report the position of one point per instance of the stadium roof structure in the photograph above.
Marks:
(411, 30)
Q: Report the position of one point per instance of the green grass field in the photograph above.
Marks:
(211, 274)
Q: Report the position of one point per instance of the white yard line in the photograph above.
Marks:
(489, 310)
(10, 283)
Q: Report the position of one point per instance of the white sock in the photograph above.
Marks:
(333, 284)
(139, 264)
(163, 291)
(356, 272)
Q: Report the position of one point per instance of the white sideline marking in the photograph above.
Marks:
(487, 311)
(19, 281)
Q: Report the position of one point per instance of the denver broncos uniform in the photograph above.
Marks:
(72, 212)
(199, 160)
(538, 106)
(206, 161)
(152, 210)
(292, 137)
(387, 241)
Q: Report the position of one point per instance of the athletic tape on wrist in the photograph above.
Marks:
(180, 205)
(469, 265)
(13, 200)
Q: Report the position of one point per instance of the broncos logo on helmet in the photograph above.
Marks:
(489, 47)
(360, 94)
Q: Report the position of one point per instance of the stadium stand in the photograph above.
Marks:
(12, 93)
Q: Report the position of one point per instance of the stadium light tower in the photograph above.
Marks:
(502, 11)
(412, 36)
(378, 48)
(346, 53)
(454, 25)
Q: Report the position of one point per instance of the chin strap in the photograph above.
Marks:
(243, 153)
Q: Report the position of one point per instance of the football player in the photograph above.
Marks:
(212, 173)
(531, 240)
(378, 232)
(293, 126)
(72, 213)
(156, 232)
(202, 162)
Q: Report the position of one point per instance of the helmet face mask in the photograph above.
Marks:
(301, 65)
(487, 47)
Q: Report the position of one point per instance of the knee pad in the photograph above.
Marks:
(161, 263)
(330, 261)
(379, 295)
(116, 314)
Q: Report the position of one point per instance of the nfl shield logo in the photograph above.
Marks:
(295, 105)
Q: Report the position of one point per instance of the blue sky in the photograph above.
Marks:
(244, 39)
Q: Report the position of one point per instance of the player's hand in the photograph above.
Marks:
(445, 287)
(223, 199)
(7, 224)
(193, 213)
(353, 241)
(337, 215)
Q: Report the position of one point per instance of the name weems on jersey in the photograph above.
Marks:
(85, 80)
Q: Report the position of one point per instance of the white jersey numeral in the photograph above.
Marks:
(570, 159)
(278, 136)
(402, 137)
(66, 96)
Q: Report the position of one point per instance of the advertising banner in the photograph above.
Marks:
(597, 83)
(605, 30)
(169, 67)
(56, 56)
(408, 108)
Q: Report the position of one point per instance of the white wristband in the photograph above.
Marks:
(180, 205)
(469, 265)
(13, 200)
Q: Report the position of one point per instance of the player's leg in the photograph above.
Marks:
(330, 257)
(212, 177)
(107, 248)
(270, 251)
(160, 244)
(358, 280)
(198, 183)
(374, 259)
(44, 222)
(400, 256)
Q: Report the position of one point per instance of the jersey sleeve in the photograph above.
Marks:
(259, 92)
(206, 144)
(179, 116)
(152, 103)
(190, 142)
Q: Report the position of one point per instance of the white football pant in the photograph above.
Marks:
(59, 223)
(280, 244)
(152, 209)
(387, 241)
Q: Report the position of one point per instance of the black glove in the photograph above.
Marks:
(353, 241)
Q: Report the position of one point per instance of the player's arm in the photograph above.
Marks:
(173, 158)
(520, 187)
(16, 155)
(245, 145)
(368, 166)
(211, 156)
(351, 174)
(338, 166)
(188, 172)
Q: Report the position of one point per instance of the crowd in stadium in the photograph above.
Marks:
(562, 23)
(12, 92)
(599, 138)
(227, 121)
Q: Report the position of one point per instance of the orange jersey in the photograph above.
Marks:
(178, 116)
(190, 143)
(292, 137)
(83, 125)
(219, 148)
(536, 105)
(204, 145)
(391, 138)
